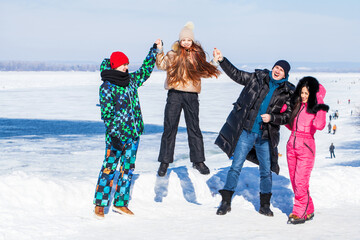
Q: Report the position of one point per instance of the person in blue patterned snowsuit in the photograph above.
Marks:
(121, 113)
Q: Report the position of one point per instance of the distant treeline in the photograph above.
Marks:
(92, 67)
(46, 66)
(332, 67)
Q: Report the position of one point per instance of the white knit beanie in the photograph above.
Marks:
(187, 31)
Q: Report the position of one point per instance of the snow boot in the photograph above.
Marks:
(293, 219)
(163, 169)
(309, 217)
(201, 167)
(123, 211)
(99, 212)
(265, 204)
(225, 205)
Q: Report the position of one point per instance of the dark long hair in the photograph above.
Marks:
(190, 63)
(296, 105)
(312, 85)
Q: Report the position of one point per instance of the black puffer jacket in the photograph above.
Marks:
(246, 108)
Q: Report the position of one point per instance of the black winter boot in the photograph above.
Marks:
(201, 167)
(163, 169)
(225, 205)
(265, 204)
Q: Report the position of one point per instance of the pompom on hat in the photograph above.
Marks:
(187, 31)
(117, 59)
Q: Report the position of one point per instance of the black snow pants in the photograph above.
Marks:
(176, 101)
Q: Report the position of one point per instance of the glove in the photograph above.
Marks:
(155, 45)
(320, 94)
(117, 143)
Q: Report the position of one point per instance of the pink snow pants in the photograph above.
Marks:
(300, 152)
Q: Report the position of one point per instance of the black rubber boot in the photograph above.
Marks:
(265, 204)
(163, 169)
(225, 205)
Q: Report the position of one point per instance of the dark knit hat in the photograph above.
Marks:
(117, 59)
(285, 65)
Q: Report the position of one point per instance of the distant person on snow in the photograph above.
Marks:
(329, 127)
(308, 115)
(121, 113)
(185, 65)
(331, 149)
(334, 128)
(251, 130)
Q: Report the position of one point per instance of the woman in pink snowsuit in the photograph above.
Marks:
(308, 115)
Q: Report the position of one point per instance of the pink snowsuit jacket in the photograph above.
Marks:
(300, 151)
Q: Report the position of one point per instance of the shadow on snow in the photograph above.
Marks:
(349, 145)
(41, 128)
(162, 184)
(355, 163)
(248, 187)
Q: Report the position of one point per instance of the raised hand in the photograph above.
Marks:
(217, 55)
(159, 44)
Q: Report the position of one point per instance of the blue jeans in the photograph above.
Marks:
(245, 143)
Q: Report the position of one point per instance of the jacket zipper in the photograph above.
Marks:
(132, 110)
(297, 119)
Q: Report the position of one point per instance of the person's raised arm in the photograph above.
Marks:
(144, 72)
(235, 74)
(321, 109)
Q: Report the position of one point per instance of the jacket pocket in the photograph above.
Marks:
(309, 148)
(237, 107)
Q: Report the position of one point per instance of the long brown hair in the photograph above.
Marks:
(190, 63)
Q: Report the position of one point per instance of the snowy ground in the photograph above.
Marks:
(52, 147)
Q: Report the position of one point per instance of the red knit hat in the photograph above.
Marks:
(117, 59)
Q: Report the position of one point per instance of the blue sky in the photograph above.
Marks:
(246, 31)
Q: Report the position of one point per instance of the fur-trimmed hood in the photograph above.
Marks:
(315, 90)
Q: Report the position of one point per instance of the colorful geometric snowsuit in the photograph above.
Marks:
(300, 151)
(127, 159)
(121, 113)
